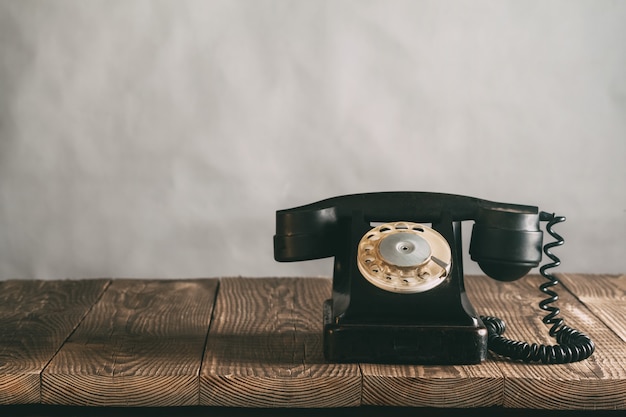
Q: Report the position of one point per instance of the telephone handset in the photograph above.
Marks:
(398, 290)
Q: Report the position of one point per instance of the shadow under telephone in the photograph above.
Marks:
(398, 291)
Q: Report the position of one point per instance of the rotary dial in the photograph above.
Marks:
(404, 257)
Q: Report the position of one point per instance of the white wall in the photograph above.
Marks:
(157, 138)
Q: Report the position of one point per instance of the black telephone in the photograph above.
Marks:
(398, 291)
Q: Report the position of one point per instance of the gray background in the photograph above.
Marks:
(157, 138)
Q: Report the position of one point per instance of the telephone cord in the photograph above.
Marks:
(572, 345)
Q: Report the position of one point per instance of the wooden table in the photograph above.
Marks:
(256, 342)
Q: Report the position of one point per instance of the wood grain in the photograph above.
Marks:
(141, 345)
(265, 348)
(433, 386)
(597, 383)
(604, 295)
(36, 317)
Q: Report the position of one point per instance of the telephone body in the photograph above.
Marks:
(398, 291)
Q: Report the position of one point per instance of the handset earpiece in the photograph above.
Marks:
(506, 243)
(304, 234)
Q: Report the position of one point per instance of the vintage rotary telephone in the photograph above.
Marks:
(398, 292)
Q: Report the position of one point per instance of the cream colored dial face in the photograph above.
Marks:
(404, 257)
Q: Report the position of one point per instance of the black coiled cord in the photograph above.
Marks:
(572, 345)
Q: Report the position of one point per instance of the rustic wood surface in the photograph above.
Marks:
(141, 345)
(432, 386)
(265, 348)
(596, 383)
(604, 295)
(242, 342)
(36, 317)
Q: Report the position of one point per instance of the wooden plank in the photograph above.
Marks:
(265, 348)
(597, 383)
(141, 345)
(605, 295)
(432, 386)
(36, 317)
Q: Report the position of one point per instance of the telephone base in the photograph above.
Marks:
(409, 344)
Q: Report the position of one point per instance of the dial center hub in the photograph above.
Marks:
(404, 249)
